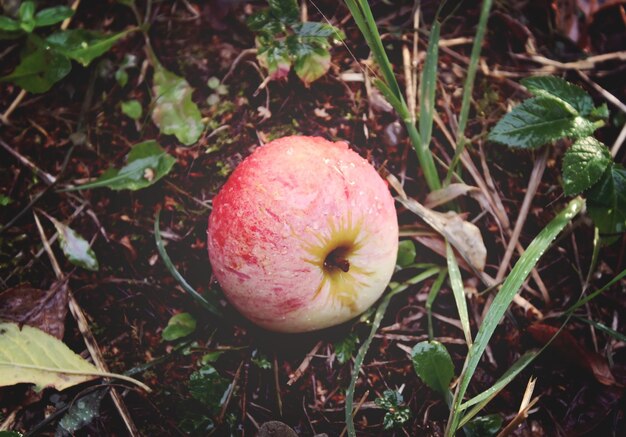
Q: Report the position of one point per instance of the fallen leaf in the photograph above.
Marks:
(43, 309)
(29, 355)
(571, 351)
(75, 247)
(447, 194)
(174, 112)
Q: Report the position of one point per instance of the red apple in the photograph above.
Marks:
(303, 235)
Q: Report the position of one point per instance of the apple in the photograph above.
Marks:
(303, 235)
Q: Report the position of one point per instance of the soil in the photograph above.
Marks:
(76, 131)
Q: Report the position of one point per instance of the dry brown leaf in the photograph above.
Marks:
(447, 194)
(43, 309)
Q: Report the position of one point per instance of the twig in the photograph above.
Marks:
(585, 64)
(85, 330)
(607, 95)
(4, 118)
(304, 365)
(279, 398)
(533, 184)
(356, 410)
(47, 177)
(618, 141)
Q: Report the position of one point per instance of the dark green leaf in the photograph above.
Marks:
(81, 413)
(146, 163)
(346, 347)
(286, 11)
(179, 326)
(538, 121)
(75, 247)
(583, 165)
(39, 69)
(484, 426)
(53, 15)
(310, 67)
(433, 365)
(258, 21)
(260, 360)
(121, 77)
(27, 16)
(83, 45)
(606, 201)
(5, 200)
(8, 24)
(174, 112)
(132, 108)
(208, 387)
(406, 253)
(555, 87)
(314, 29)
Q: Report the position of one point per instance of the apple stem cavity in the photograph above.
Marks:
(336, 259)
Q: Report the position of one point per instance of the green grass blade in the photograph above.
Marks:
(501, 302)
(360, 356)
(210, 307)
(596, 293)
(456, 282)
(469, 86)
(428, 86)
(602, 327)
(432, 295)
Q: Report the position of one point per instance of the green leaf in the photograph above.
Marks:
(27, 16)
(174, 111)
(146, 163)
(260, 360)
(83, 45)
(179, 326)
(257, 22)
(53, 15)
(32, 356)
(555, 87)
(39, 69)
(75, 247)
(207, 386)
(8, 24)
(345, 348)
(276, 60)
(606, 201)
(484, 426)
(5, 200)
(433, 365)
(314, 29)
(538, 121)
(121, 77)
(600, 113)
(406, 253)
(287, 11)
(313, 65)
(81, 413)
(583, 165)
(132, 108)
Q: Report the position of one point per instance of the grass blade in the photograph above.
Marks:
(469, 86)
(432, 295)
(505, 296)
(428, 86)
(456, 282)
(210, 307)
(360, 356)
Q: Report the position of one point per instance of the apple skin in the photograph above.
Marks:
(289, 222)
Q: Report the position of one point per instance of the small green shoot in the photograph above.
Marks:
(397, 413)
(284, 41)
(132, 109)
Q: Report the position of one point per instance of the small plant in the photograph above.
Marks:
(397, 413)
(46, 60)
(559, 110)
(284, 41)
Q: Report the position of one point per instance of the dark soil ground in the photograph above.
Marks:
(130, 299)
